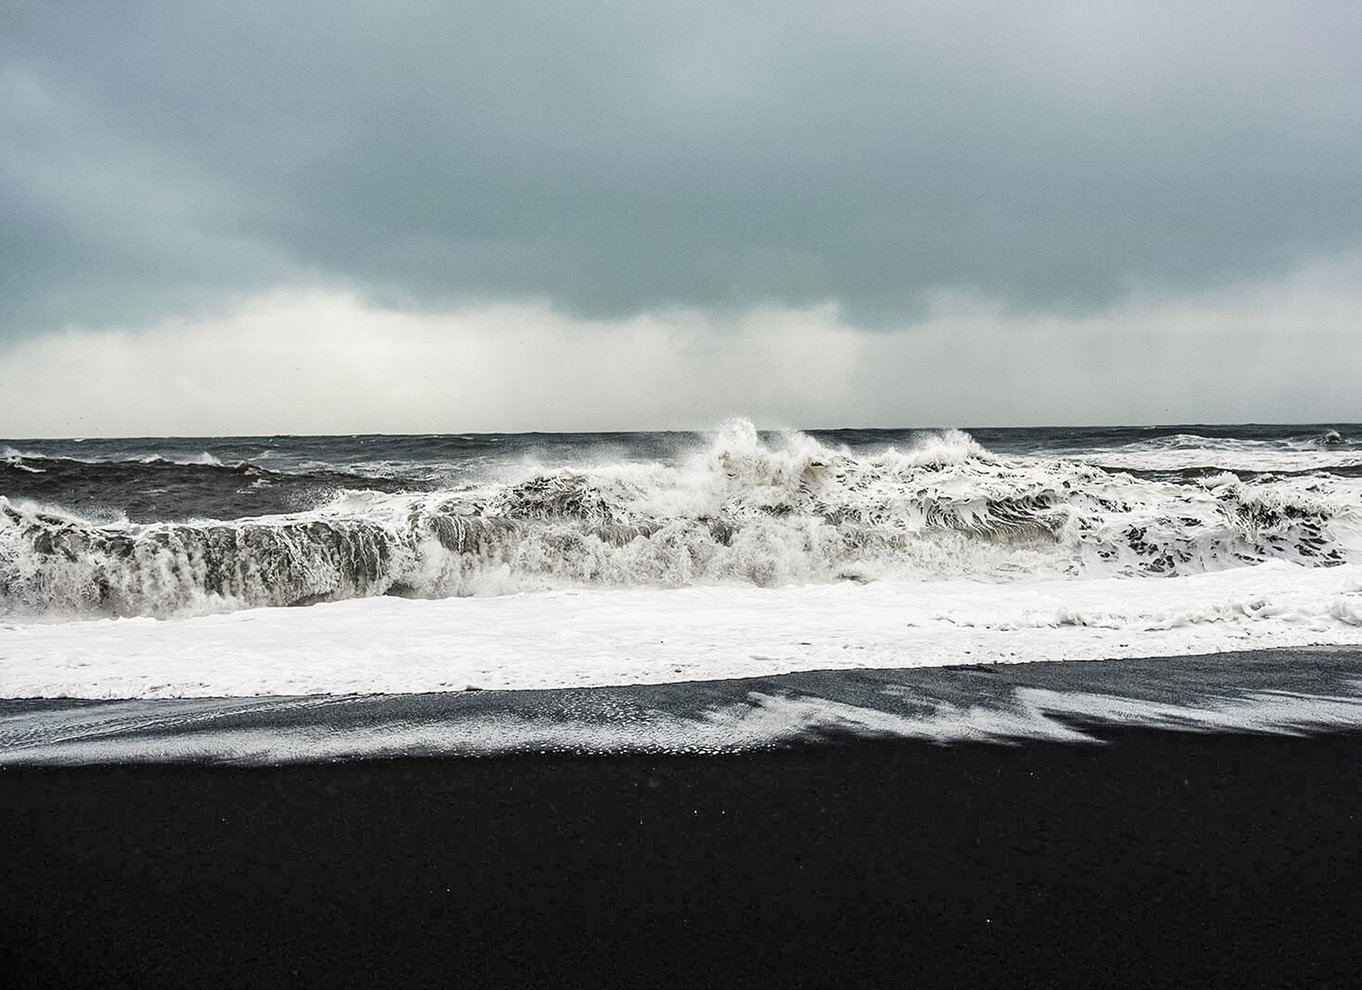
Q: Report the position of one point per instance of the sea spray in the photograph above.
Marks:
(746, 508)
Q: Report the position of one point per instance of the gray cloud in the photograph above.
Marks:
(161, 160)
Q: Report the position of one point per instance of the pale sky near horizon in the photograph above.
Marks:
(237, 218)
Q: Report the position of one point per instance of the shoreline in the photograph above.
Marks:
(1283, 691)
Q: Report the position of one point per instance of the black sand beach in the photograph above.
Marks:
(776, 495)
(1158, 858)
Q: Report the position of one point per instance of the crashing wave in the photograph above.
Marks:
(744, 509)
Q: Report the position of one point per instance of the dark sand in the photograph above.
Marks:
(1164, 858)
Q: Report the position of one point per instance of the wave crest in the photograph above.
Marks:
(746, 509)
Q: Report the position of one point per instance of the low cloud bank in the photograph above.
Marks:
(330, 362)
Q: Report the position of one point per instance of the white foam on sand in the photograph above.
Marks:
(647, 635)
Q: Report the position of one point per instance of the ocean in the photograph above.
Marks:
(735, 708)
(298, 578)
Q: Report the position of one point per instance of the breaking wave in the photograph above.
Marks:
(743, 509)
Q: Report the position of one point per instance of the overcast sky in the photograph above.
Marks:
(430, 216)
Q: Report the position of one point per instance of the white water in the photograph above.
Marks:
(742, 510)
(648, 635)
(748, 557)
(1188, 451)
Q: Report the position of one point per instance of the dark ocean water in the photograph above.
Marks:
(170, 478)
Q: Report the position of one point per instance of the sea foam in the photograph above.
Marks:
(745, 510)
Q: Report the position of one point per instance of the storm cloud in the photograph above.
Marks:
(173, 160)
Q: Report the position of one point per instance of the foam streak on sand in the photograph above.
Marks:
(1263, 692)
